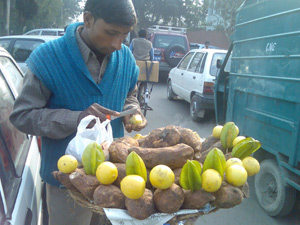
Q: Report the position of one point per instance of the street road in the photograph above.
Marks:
(176, 112)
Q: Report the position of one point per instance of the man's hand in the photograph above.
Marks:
(98, 111)
(129, 126)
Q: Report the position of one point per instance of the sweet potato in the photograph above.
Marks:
(64, 179)
(196, 199)
(121, 173)
(141, 208)
(118, 150)
(162, 137)
(86, 184)
(177, 173)
(191, 138)
(204, 154)
(169, 200)
(109, 196)
(209, 141)
(174, 156)
(227, 197)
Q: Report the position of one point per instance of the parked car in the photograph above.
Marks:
(200, 46)
(47, 32)
(193, 80)
(170, 44)
(21, 185)
(20, 46)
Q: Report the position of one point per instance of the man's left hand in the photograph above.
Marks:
(130, 127)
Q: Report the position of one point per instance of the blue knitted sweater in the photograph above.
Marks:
(61, 68)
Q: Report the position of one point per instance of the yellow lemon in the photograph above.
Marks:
(217, 131)
(233, 161)
(251, 165)
(133, 186)
(237, 140)
(237, 128)
(107, 173)
(136, 119)
(162, 177)
(236, 175)
(211, 180)
(67, 164)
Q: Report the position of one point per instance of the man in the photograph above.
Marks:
(207, 43)
(141, 47)
(86, 72)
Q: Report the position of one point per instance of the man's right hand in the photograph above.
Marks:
(98, 111)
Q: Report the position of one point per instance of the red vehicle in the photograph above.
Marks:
(170, 44)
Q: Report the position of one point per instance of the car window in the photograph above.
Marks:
(12, 73)
(200, 67)
(213, 65)
(5, 43)
(185, 62)
(164, 40)
(23, 48)
(14, 147)
(49, 32)
(195, 61)
(37, 32)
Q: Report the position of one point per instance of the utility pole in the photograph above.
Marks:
(7, 16)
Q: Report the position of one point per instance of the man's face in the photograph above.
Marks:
(104, 37)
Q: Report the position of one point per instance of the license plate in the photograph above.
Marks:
(157, 58)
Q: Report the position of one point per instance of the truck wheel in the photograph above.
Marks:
(170, 93)
(195, 109)
(273, 194)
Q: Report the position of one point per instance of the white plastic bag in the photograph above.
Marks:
(100, 132)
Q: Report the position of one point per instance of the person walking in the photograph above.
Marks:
(88, 71)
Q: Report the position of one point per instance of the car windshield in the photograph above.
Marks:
(164, 40)
(213, 66)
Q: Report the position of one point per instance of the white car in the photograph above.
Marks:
(47, 32)
(193, 80)
(20, 46)
(20, 182)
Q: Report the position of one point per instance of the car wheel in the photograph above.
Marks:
(170, 93)
(195, 109)
(273, 194)
(174, 53)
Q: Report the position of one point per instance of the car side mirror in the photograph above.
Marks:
(219, 63)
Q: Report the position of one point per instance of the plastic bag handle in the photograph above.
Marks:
(85, 122)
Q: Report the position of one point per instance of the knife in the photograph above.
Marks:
(123, 113)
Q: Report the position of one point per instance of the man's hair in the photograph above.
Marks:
(142, 33)
(118, 12)
(207, 42)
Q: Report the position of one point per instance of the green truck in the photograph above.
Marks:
(258, 88)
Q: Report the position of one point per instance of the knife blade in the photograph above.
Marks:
(123, 113)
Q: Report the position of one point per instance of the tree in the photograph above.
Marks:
(227, 11)
(184, 13)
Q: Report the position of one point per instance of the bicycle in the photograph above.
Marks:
(145, 87)
(143, 95)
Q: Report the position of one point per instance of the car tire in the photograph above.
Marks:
(195, 109)
(170, 94)
(273, 194)
(168, 54)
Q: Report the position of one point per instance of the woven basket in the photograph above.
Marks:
(82, 201)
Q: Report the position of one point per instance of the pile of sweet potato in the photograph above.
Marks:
(171, 146)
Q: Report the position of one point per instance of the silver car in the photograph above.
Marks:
(20, 182)
(47, 32)
(20, 46)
